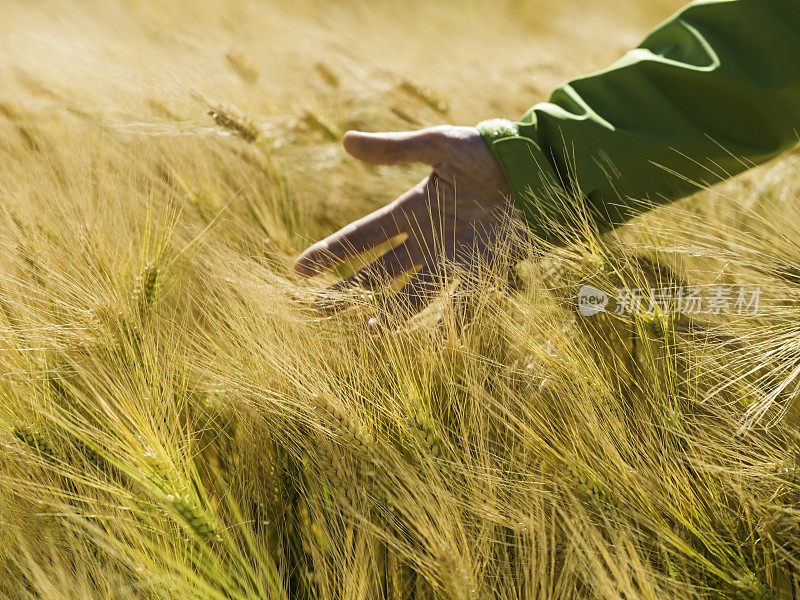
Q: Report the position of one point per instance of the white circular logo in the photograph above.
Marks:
(591, 301)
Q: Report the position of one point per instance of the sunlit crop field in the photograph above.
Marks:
(179, 421)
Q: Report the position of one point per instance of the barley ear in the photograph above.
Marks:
(235, 122)
(35, 439)
(146, 287)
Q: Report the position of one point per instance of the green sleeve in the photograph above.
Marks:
(712, 92)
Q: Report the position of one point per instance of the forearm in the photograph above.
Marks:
(710, 93)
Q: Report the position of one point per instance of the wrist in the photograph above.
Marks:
(533, 180)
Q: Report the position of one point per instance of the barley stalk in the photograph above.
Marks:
(658, 323)
(343, 426)
(229, 118)
(454, 576)
(337, 473)
(323, 125)
(327, 74)
(368, 463)
(35, 439)
(243, 67)
(191, 515)
(426, 434)
(749, 587)
(146, 287)
(591, 487)
(394, 569)
(427, 95)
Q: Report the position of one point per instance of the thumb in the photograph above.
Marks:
(395, 148)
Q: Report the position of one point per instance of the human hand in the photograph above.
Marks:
(452, 219)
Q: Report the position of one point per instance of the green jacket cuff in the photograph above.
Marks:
(537, 190)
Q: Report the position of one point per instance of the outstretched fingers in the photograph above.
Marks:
(380, 272)
(383, 269)
(420, 291)
(360, 236)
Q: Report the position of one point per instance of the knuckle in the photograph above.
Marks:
(439, 137)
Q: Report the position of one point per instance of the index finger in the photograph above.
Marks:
(357, 237)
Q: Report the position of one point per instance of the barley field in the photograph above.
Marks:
(178, 421)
